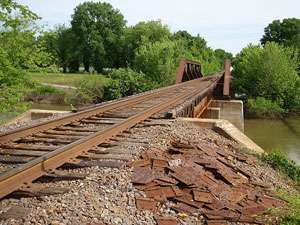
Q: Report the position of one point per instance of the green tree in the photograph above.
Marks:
(15, 35)
(194, 44)
(286, 32)
(269, 72)
(195, 48)
(61, 43)
(158, 60)
(130, 82)
(221, 54)
(143, 32)
(97, 27)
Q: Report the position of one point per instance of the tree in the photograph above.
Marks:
(16, 38)
(269, 72)
(143, 32)
(285, 32)
(192, 43)
(158, 60)
(97, 27)
(61, 43)
(222, 55)
(15, 16)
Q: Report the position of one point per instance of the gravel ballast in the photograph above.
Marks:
(107, 195)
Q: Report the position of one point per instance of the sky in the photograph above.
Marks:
(230, 24)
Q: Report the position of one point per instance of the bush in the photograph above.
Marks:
(89, 90)
(112, 90)
(11, 99)
(13, 86)
(262, 107)
(45, 89)
(269, 72)
(280, 162)
(131, 82)
(158, 61)
(290, 215)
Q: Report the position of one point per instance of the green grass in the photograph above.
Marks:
(291, 214)
(279, 161)
(69, 79)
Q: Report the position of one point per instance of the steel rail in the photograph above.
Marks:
(28, 130)
(18, 177)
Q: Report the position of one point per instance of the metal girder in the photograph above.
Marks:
(188, 70)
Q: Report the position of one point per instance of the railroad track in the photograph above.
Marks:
(31, 152)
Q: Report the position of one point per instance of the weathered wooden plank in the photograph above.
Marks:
(44, 140)
(7, 159)
(21, 152)
(53, 136)
(107, 156)
(29, 147)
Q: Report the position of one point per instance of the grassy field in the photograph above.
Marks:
(69, 79)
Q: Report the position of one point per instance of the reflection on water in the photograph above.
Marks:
(283, 135)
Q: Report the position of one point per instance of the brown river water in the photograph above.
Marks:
(280, 134)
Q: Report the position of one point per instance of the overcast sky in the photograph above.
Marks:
(230, 25)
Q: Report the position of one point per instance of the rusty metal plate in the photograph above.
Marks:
(184, 208)
(166, 221)
(142, 175)
(146, 204)
(217, 222)
(159, 163)
(202, 196)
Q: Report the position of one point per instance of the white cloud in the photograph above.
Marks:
(230, 24)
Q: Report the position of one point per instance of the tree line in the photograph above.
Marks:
(268, 75)
(98, 39)
(139, 57)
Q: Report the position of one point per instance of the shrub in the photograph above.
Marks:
(131, 82)
(263, 107)
(46, 89)
(279, 161)
(11, 99)
(158, 61)
(112, 90)
(89, 90)
(269, 72)
(13, 85)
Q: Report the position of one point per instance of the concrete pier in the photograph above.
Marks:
(231, 110)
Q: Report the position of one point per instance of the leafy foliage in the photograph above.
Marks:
(269, 72)
(130, 82)
(143, 32)
(279, 161)
(97, 27)
(89, 90)
(286, 32)
(222, 55)
(12, 86)
(60, 44)
(158, 60)
(293, 214)
(261, 107)
(112, 90)
(290, 215)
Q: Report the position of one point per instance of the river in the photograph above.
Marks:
(283, 135)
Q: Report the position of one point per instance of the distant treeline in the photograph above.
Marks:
(140, 57)
(99, 39)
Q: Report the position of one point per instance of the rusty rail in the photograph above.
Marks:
(21, 176)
